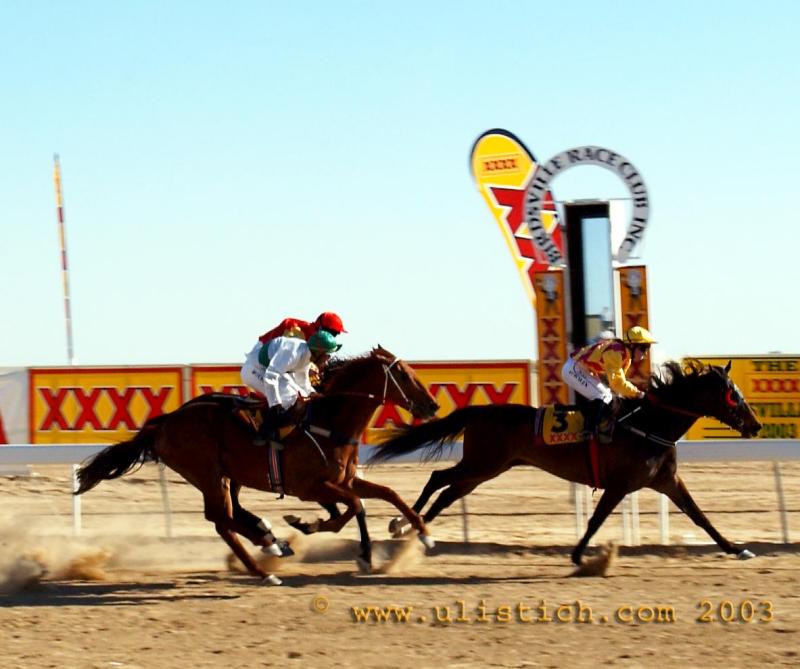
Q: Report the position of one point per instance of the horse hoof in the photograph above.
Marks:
(278, 548)
(273, 549)
(745, 554)
(400, 528)
(427, 541)
(364, 567)
(271, 579)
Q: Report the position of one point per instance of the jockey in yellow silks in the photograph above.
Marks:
(597, 371)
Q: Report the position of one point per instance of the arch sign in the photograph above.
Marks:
(586, 155)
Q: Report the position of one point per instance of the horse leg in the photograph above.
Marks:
(677, 491)
(332, 509)
(260, 528)
(374, 491)
(365, 557)
(335, 493)
(439, 479)
(218, 509)
(454, 491)
(608, 502)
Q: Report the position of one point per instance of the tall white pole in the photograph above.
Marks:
(64, 266)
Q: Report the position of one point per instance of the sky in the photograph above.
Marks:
(226, 165)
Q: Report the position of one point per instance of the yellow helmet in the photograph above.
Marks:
(639, 336)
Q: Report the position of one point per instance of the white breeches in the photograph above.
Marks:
(583, 383)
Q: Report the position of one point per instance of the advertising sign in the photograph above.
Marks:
(452, 384)
(207, 379)
(552, 342)
(632, 286)
(91, 405)
(502, 167)
(771, 385)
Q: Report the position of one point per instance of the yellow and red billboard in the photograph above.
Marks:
(452, 384)
(205, 379)
(771, 385)
(502, 167)
(632, 286)
(88, 405)
(552, 340)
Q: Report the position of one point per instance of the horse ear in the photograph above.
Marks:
(728, 367)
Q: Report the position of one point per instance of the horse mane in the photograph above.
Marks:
(341, 369)
(674, 376)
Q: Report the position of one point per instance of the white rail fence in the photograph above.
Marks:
(766, 450)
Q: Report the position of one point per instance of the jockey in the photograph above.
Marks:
(597, 372)
(280, 371)
(294, 327)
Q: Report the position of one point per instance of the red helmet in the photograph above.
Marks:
(330, 321)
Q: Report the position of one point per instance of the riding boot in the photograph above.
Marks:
(593, 415)
(270, 421)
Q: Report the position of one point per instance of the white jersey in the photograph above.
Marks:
(287, 374)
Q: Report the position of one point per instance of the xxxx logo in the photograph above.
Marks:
(513, 202)
(244, 391)
(101, 408)
(460, 396)
(776, 385)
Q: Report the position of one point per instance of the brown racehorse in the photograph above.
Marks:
(210, 446)
(641, 454)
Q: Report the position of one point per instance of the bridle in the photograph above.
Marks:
(311, 429)
(730, 401)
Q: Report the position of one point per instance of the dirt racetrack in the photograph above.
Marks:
(123, 595)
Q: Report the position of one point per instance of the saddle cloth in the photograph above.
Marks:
(559, 424)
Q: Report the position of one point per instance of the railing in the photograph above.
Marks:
(761, 450)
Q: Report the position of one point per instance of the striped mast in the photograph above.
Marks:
(64, 267)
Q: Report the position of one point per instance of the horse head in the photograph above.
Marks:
(384, 376)
(721, 399)
(734, 410)
(403, 387)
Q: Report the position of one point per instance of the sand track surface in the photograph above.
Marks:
(124, 595)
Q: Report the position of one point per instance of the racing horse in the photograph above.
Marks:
(210, 446)
(641, 452)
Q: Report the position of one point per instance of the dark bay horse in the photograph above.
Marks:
(641, 454)
(207, 444)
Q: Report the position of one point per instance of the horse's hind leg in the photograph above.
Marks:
(364, 558)
(608, 502)
(259, 528)
(371, 490)
(676, 490)
(439, 479)
(218, 509)
(449, 495)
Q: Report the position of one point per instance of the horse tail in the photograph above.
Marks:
(434, 436)
(119, 459)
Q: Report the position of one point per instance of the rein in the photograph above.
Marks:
(311, 429)
(649, 436)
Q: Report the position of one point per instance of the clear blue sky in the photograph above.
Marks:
(229, 164)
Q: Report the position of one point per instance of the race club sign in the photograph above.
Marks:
(536, 196)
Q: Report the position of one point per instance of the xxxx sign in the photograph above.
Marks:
(453, 385)
(96, 405)
(207, 379)
(771, 386)
(456, 385)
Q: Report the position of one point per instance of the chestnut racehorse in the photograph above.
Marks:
(210, 446)
(641, 454)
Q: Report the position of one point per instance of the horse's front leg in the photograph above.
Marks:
(328, 492)
(371, 490)
(608, 502)
(676, 490)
